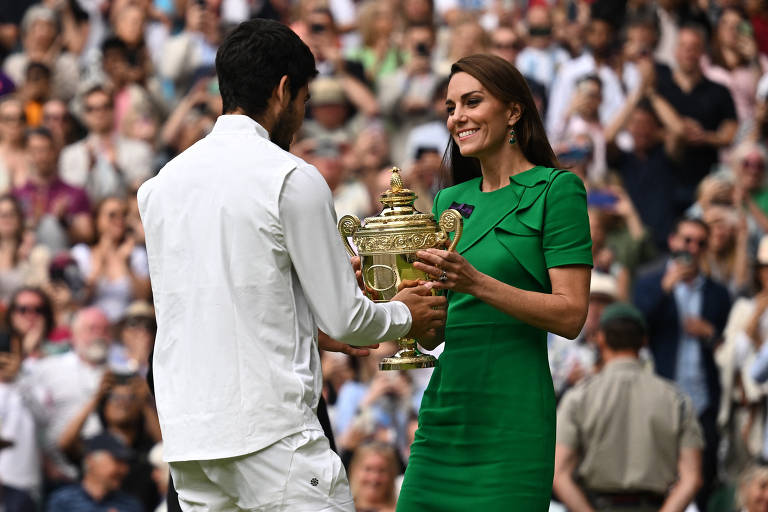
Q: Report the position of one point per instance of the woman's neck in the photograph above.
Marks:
(500, 165)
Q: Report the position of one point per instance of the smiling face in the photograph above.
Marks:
(478, 121)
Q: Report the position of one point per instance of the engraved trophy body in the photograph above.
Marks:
(387, 245)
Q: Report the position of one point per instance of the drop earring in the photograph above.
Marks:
(512, 136)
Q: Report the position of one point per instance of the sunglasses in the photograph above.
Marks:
(698, 241)
(103, 107)
(38, 310)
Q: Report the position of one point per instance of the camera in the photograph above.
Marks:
(422, 49)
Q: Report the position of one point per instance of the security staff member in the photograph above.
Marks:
(629, 438)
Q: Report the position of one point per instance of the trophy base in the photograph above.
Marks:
(407, 358)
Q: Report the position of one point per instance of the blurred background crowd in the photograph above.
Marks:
(660, 106)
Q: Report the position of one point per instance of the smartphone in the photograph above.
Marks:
(682, 257)
(601, 199)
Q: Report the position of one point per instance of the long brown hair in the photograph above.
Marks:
(505, 82)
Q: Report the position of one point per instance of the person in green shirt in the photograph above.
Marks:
(486, 435)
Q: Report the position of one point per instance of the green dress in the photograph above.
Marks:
(486, 436)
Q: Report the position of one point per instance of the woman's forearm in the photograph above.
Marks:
(559, 313)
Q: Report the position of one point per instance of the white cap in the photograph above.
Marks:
(603, 284)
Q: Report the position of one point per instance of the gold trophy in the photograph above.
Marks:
(387, 245)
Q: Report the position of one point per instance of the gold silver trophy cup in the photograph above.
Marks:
(387, 245)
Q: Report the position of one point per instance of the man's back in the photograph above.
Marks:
(226, 305)
(245, 262)
(629, 426)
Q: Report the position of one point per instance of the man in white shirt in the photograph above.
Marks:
(246, 264)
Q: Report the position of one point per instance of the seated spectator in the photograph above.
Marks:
(59, 386)
(36, 91)
(375, 405)
(582, 119)
(136, 334)
(741, 416)
(736, 64)
(105, 466)
(114, 267)
(30, 321)
(20, 449)
(753, 489)
(506, 43)
(20, 262)
(727, 257)
(14, 161)
(59, 121)
(748, 165)
(620, 242)
(406, 95)
(378, 53)
(193, 50)
(595, 61)
(323, 39)
(541, 58)
(59, 213)
(123, 406)
(191, 120)
(66, 288)
(104, 163)
(432, 134)
(331, 114)
(468, 37)
(41, 43)
(372, 474)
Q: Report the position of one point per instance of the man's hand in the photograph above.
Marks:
(698, 327)
(427, 310)
(325, 342)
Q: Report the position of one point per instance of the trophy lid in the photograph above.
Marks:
(399, 212)
(397, 195)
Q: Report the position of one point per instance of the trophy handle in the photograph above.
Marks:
(451, 220)
(348, 224)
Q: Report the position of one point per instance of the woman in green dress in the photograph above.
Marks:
(486, 436)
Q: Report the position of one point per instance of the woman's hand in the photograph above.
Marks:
(450, 270)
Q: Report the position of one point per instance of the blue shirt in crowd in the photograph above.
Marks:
(73, 498)
(689, 374)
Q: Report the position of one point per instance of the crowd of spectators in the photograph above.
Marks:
(660, 106)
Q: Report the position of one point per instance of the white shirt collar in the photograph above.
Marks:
(238, 123)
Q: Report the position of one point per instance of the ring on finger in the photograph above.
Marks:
(443, 277)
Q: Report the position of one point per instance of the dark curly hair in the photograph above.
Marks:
(252, 60)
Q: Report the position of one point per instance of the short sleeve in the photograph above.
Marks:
(566, 239)
(690, 431)
(567, 420)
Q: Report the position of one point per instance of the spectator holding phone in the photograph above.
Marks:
(583, 119)
(124, 408)
(406, 95)
(686, 312)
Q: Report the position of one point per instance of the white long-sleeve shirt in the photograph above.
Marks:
(246, 262)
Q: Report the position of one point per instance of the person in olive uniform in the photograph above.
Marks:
(486, 435)
(631, 439)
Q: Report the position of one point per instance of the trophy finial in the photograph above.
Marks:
(396, 182)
